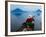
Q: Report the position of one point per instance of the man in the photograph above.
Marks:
(29, 24)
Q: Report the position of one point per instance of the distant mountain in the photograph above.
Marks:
(38, 12)
(17, 11)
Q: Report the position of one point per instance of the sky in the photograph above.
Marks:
(19, 14)
(25, 7)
